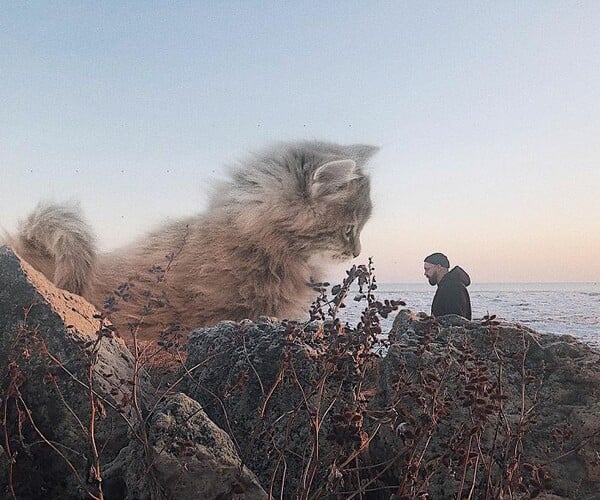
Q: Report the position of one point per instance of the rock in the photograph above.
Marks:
(526, 405)
(190, 458)
(49, 339)
(4, 467)
(258, 381)
(152, 446)
(456, 407)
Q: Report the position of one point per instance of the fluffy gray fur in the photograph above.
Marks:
(57, 241)
(282, 213)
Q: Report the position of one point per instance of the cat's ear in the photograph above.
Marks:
(362, 153)
(332, 175)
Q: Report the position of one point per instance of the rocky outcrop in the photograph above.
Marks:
(258, 381)
(190, 458)
(59, 366)
(70, 425)
(496, 408)
(454, 406)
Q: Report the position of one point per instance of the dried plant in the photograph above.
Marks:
(446, 429)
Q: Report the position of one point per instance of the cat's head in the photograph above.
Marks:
(337, 191)
(313, 197)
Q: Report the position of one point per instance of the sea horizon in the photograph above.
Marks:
(525, 286)
(424, 282)
(548, 307)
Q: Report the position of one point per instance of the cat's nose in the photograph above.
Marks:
(356, 249)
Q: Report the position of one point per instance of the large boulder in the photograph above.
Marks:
(285, 396)
(455, 408)
(190, 458)
(492, 408)
(71, 425)
(60, 364)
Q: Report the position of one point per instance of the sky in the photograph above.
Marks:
(487, 115)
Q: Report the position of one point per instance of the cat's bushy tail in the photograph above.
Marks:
(56, 240)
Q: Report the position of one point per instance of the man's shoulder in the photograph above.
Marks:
(452, 285)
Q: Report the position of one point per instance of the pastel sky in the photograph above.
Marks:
(487, 115)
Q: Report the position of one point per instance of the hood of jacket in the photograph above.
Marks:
(457, 273)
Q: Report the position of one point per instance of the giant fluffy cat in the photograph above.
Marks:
(283, 213)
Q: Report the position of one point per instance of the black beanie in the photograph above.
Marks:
(438, 259)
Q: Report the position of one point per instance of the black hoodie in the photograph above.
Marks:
(452, 296)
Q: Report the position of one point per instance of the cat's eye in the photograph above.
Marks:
(348, 231)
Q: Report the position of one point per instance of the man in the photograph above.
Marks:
(451, 296)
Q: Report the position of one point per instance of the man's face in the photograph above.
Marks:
(432, 273)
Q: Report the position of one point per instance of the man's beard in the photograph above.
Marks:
(433, 281)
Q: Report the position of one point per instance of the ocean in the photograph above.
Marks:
(557, 308)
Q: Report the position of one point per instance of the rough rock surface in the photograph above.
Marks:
(527, 406)
(460, 406)
(190, 458)
(455, 408)
(50, 349)
(49, 338)
(259, 383)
